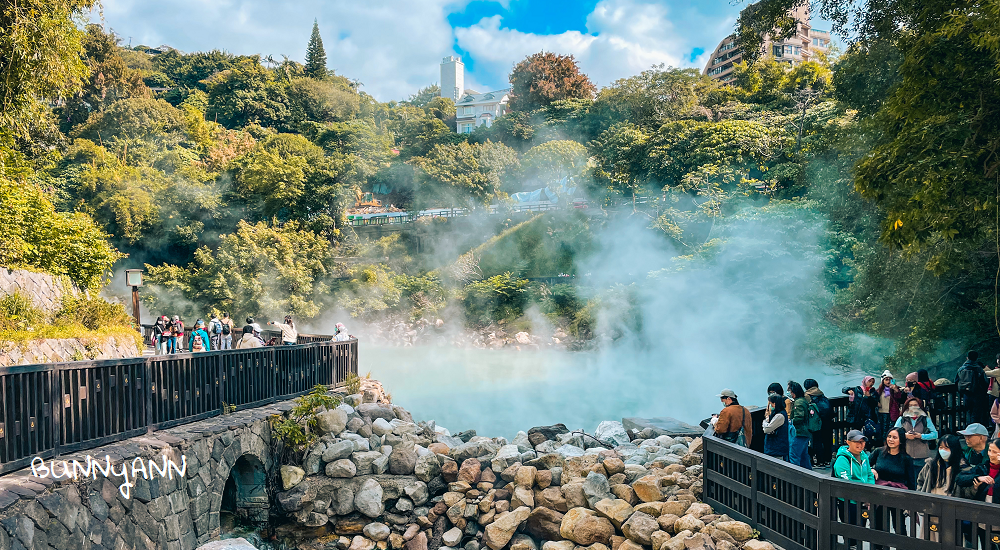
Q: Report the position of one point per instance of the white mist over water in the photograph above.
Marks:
(498, 392)
(674, 327)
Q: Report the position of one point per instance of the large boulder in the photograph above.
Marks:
(596, 488)
(737, 529)
(611, 433)
(523, 542)
(381, 426)
(332, 422)
(418, 542)
(499, 533)
(403, 459)
(616, 510)
(543, 433)
(640, 528)
(364, 460)
(342, 502)
(647, 488)
(291, 476)
(452, 537)
(427, 468)
(377, 531)
(341, 468)
(585, 527)
(552, 498)
(470, 471)
(474, 449)
(544, 524)
(376, 410)
(417, 492)
(368, 501)
(688, 523)
(338, 450)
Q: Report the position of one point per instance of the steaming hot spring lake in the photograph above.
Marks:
(498, 392)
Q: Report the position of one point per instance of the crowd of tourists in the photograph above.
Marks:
(168, 335)
(892, 440)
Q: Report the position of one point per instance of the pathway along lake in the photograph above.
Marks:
(498, 392)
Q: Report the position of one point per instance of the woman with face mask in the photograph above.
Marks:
(940, 472)
(863, 407)
(919, 431)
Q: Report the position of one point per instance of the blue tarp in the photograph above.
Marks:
(564, 187)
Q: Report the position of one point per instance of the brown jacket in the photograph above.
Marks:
(729, 421)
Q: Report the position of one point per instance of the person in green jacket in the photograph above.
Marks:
(799, 445)
(852, 464)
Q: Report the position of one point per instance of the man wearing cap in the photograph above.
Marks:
(975, 439)
(852, 460)
(733, 418)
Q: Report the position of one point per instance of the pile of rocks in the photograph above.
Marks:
(379, 480)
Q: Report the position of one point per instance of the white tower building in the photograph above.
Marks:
(452, 78)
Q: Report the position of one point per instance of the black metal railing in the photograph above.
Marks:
(56, 408)
(798, 509)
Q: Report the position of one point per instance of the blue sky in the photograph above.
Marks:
(394, 47)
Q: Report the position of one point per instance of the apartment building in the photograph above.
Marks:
(804, 44)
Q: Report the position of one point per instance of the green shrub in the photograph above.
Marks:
(298, 430)
(500, 298)
(18, 312)
(352, 382)
(93, 313)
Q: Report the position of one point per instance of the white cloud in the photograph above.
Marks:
(623, 38)
(392, 47)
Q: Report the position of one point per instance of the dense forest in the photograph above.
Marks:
(228, 176)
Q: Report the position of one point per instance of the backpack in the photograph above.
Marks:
(970, 379)
(216, 329)
(197, 344)
(226, 330)
(814, 422)
(741, 439)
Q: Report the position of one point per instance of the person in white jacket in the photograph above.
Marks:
(249, 340)
(289, 336)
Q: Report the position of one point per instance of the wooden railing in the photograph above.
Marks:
(798, 509)
(55, 408)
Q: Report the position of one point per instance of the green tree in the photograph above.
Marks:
(424, 95)
(650, 98)
(315, 54)
(246, 94)
(555, 159)
(260, 269)
(544, 77)
(457, 172)
(320, 100)
(132, 118)
(40, 45)
(38, 237)
(499, 298)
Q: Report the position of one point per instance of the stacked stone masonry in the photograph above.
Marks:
(161, 513)
(46, 291)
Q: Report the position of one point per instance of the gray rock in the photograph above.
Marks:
(427, 468)
(474, 449)
(450, 441)
(452, 537)
(343, 502)
(355, 424)
(569, 451)
(291, 476)
(332, 422)
(375, 410)
(364, 461)
(612, 433)
(368, 501)
(679, 449)
(596, 488)
(556, 475)
(380, 465)
(228, 544)
(313, 463)
(375, 442)
(377, 531)
(403, 460)
(509, 452)
(522, 442)
(547, 446)
(353, 400)
(418, 492)
(341, 449)
(341, 468)
(349, 410)
(381, 426)
(404, 505)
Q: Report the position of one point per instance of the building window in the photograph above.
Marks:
(776, 50)
(788, 49)
(797, 50)
(467, 110)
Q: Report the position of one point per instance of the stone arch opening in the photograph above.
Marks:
(245, 496)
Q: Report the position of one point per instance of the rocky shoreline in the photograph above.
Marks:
(377, 480)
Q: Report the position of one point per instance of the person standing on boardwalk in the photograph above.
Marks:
(226, 341)
(822, 441)
(215, 331)
(776, 428)
(798, 453)
(918, 431)
(289, 336)
(970, 381)
(734, 423)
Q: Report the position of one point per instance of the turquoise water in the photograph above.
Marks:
(498, 392)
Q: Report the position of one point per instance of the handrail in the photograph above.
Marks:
(55, 408)
(799, 509)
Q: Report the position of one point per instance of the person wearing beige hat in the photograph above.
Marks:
(890, 402)
(733, 420)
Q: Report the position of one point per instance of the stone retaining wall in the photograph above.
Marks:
(161, 513)
(66, 349)
(45, 290)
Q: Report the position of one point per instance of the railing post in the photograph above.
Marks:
(825, 511)
(55, 401)
(146, 388)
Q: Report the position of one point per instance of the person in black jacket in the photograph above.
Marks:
(970, 381)
(821, 446)
(862, 407)
(983, 478)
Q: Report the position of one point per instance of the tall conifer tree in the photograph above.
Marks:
(315, 54)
